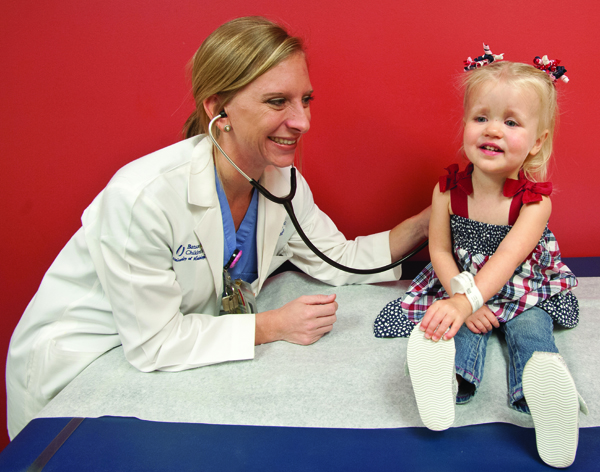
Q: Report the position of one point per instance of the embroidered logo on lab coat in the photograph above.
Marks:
(283, 227)
(190, 252)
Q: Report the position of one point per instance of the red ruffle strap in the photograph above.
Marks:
(532, 191)
(449, 181)
(456, 178)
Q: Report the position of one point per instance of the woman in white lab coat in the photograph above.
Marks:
(145, 270)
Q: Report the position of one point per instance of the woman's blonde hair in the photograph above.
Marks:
(522, 75)
(234, 55)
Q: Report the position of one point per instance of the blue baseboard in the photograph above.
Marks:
(581, 267)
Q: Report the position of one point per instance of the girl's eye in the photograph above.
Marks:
(511, 123)
(480, 119)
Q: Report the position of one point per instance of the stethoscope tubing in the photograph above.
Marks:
(287, 204)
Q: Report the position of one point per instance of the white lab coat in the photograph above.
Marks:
(145, 271)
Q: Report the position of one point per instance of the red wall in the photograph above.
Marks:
(89, 86)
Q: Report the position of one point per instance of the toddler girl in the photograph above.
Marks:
(497, 206)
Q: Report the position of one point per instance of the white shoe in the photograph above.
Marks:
(432, 372)
(554, 404)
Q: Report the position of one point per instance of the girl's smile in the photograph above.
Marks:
(490, 149)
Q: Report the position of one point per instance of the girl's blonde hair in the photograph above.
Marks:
(234, 55)
(522, 75)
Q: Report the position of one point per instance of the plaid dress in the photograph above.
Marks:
(542, 280)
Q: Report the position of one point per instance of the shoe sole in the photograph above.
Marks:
(431, 369)
(552, 398)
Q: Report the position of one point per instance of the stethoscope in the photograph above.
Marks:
(287, 204)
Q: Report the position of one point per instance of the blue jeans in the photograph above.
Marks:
(526, 333)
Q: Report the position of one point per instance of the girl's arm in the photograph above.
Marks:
(440, 239)
(442, 259)
(515, 248)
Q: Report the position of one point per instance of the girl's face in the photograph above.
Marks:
(501, 128)
(269, 116)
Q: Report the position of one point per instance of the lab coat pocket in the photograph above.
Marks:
(285, 254)
(54, 368)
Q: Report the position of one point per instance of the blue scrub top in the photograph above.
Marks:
(244, 239)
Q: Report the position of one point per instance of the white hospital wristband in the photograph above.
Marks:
(465, 283)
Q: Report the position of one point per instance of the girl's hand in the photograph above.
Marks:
(482, 321)
(446, 315)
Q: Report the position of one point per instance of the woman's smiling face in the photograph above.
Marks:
(269, 116)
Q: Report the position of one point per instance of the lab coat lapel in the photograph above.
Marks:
(202, 195)
(270, 219)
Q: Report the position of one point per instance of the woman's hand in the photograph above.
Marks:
(301, 321)
(405, 236)
(482, 321)
(446, 315)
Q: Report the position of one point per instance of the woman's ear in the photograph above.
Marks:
(211, 105)
(539, 143)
